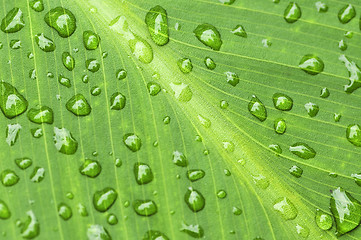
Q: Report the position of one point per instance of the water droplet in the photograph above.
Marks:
(64, 141)
(41, 115)
(204, 121)
(177, 26)
(90, 168)
(44, 43)
(143, 173)
(69, 195)
(312, 109)
(282, 102)
(195, 231)
(185, 65)
(280, 126)
(182, 91)
(325, 93)
(95, 91)
(276, 148)
(132, 142)
(302, 231)
(4, 210)
(68, 61)
(346, 211)
(23, 163)
(82, 210)
(157, 22)
(296, 171)
(37, 5)
(285, 208)
(194, 199)
(9, 178)
(153, 88)
(121, 74)
(221, 194)
(205, 151)
(261, 181)
(321, 7)
(64, 81)
(92, 65)
(223, 104)
(348, 34)
(13, 21)
(36, 132)
(210, 64)
(342, 45)
(12, 133)
(354, 74)
(32, 74)
(266, 43)
(50, 75)
(64, 211)
(118, 162)
(104, 199)
(323, 220)
(179, 159)
(257, 108)
(236, 211)
(62, 20)
(346, 13)
(353, 134)
(98, 232)
(311, 64)
(145, 208)
(117, 101)
(112, 219)
(292, 12)
(91, 40)
(12, 103)
(302, 150)
(154, 235)
(209, 36)
(232, 78)
(166, 120)
(228, 146)
(31, 228)
(15, 44)
(78, 105)
(239, 31)
(195, 174)
(357, 178)
(198, 138)
(30, 55)
(37, 175)
(337, 117)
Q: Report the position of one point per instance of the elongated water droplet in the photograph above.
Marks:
(15, 44)
(282, 102)
(37, 5)
(204, 121)
(280, 126)
(323, 220)
(32, 74)
(143, 173)
(194, 199)
(157, 22)
(132, 142)
(13, 21)
(64, 141)
(321, 7)
(12, 133)
(185, 65)
(37, 175)
(325, 93)
(23, 163)
(239, 31)
(64, 81)
(311, 64)
(68, 61)
(346, 210)
(98, 232)
(90, 168)
(209, 36)
(292, 12)
(296, 171)
(62, 20)
(182, 91)
(302, 150)
(64, 211)
(195, 231)
(354, 74)
(91, 40)
(276, 148)
(257, 108)
(44, 43)
(153, 88)
(31, 227)
(4, 210)
(232, 78)
(117, 101)
(285, 208)
(195, 174)
(9, 178)
(104, 199)
(12, 103)
(41, 115)
(78, 105)
(210, 64)
(154, 235)
(179, 159)
(312, 109)
(145, 208)
(346, 13)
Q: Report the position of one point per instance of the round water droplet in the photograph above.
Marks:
(323, 220)
(325, 93)
(179, 159)
(37, 5)
(209, 36)
(69, 195)
(9, 178)
(210, 64)
(221, 194)
(353, 134)
(153, 88)
(91, 40)
(282, 102)
(4, 210)
(145, 208)
(195, 174)
(90, 168)
(104, 199)
(82, 210)
(95, 91)
(143, 173)
(64, 141)
(44, 43)
(312, 109)
(239, 30)
(121, 74)
(117, 101)
(280, 126)
(62, 20)
(296, 171)
(346, 13)
(182, 91)
(157, 22)
(98, 232)
(64, 211)
(236, 211)
(23, 163)
(292, 12)
(185, 65)
(285, 208)
(194, 199)
(37, 175)
(41, 115)
(36, 132)
(223, 104)
(257, 108)
(13, 21)
(302, 150)
(232, 78)
(92, 65)
(261, 181)
(12, 103)
(348, 34)
(132, 142)
(166, 120)
(311, 64)
(85, 78)
(112, 219)
(68, 61)
(118, 162)
(78, 105)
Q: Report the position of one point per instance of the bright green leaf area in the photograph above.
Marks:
(199, 120)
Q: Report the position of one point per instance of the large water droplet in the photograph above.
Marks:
(62, 20)
(311, 64)
(44, 43)
(285, 208)
(353, 134)
(157, 22)
(143, 173)
(195, 231)
(31, 228)
(209, 36)
(257, 108)
(194, 199)
(346, 13)
(302, 150)
(41, 115)
(64, 211)
(354, 74)
(292, 12)
(98, 232)
(9, 178)
(132, 142)
(179, 159)
(90, 168)
(91, 40)
(145, 208)
(13, 21)
(323, 220)
(104, 199)
(117, 101)
(64, 141)
(12, 103)
(78, 105)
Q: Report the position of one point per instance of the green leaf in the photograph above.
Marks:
(222, 119)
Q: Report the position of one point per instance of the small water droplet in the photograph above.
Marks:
(44, 43)
(292, 12)
(112, 219)
(157, 22)
(37, 175)
(98, 232)
(145, 208)
(117, 101)
(312, 109)
(311, 64)
(82, 210)
(282, 102)
(232, 78)
(342, 45)
(36, 132)
(64, 211)
(91, 40)
(78, 105)
(41, 115)
(118, 162)
(223, 104)
(239, 30)
(9, 178)
(132, 142)
(182, 91)
(68, 61)
(37, 5)
(221, 194)
(15, 44)
(337, 117)
(261, 181)
(323, 220)
(285, 208)
(13, 21)
(321, 7)
(296, 171)
(236, 211)
(12, 103)
(153, 88)
(32, 74)
(166, 120)
(276, 148)
(257, 108)
(4, 210)
(325, 93)
(302, 231)
(266, 43)
(12, 133)
(23, 163)
(346, 13)
(354, 74)
(204, 121)
(64, 81)
(179, 159)
(302, 150)
(143, 173)
(185, 65)
(210, 64)
(31, 227)
(92, 65)
(90, 168)
(194, 199)
(69, 195)
(62, 20)
(228, 146)
(95, 91)
(209, 36)
(154, 235)
(195, 231)
(348, 34)
(280, 126)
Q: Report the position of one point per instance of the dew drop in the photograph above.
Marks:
(195, 231)
(9, 178)
(95, 91)
(337, 117)
(23, 163)
(204, 121)
(236, 211)
(154, 235)
(12, 133)
(195, 174)
(223, 104)
(182, 91)
(221, 194)
(261, 181)
(117, 101)
(157, 23)
(276, 148)
(179, 159)
(12, 103)
(143, 173)
(302, 231)
(296, 171)
(121, 74)
(112, 219)
(44, 43)
(13, 21)
(280, 126)
(285, 208)
(354, 74)
(353, 134)
(78, 105)
(90, 168)
(228, 146)
(185, 65)
(346, 13)
(209, 36)
(62, 20)
(132, 142)
(311, 64)
(37, 5)
(312, 109)
(15, 44)
(194, 200)
(323, 220)
(82, 210)
(342, 45)
(325, 93)
(321, 7)
(31, 228)
(64, 211)
(257, 108)
(282, 102)
(37, 175)
(41, 115)
(232, 78)
(68, 61)
(153, 88)
(145, 208)
(104, 199)
(64, 81)
(210, 64)
(36, 132)
(239, 31)
(64, 141)
(98, 232)
(91, 40)
(4, 210)
(92, 65)
(302, 150)
(292, 12)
